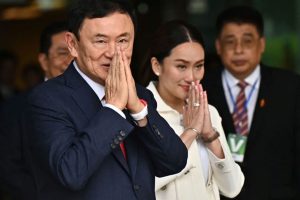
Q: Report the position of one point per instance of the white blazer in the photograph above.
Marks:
(224, 175)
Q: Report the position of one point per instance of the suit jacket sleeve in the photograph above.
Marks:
(73, 152)
(165, 148)
(226, 173)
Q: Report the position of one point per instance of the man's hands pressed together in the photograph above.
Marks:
(120, 89)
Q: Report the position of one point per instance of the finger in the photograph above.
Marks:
(119, 66)
(123, 73)
(126, 62)
(197, 98)
(190, 97)
(129, 76)
(202, 103)
(205, 102)
(185, 116)
(208, 125)
(201, 100)
(112, 78)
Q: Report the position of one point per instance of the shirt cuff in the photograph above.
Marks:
(141, 115)
(115, 109)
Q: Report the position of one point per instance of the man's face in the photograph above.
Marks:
(240, 47)
(58, 58)
(99, 38)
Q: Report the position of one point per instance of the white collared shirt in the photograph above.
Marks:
(253, 80)
(98, 89)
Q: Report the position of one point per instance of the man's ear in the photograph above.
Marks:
(218, 46)
(71, 43)
(156, 68)
(42, 58)
(262, 41)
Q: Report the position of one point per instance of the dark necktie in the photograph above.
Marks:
(240, 115)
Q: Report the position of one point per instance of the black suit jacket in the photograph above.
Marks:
(15, 176)
(271, 164)
(74, 144)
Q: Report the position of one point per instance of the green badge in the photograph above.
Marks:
(237, 144)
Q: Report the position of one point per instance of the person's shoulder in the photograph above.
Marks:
(212, 75)
(213, 71)
(145, 94)
(142, 90)
(280, 73)
(50, 87)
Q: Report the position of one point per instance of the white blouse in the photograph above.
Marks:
(204, 175)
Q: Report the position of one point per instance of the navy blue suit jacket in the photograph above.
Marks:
(74, 144)
(272, 159)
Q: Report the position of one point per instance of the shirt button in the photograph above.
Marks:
(136, 187)
(220, 165)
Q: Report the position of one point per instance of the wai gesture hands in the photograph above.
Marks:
(120, 89)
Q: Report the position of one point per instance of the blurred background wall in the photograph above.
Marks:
(21, 22)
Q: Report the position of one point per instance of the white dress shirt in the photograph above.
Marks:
(230, 85)
(98, 89)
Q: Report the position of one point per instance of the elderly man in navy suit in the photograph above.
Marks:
(92, 133)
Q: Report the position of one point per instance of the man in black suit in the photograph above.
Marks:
(262, 120)
(8, 66)
(92, 133)
(15, 176)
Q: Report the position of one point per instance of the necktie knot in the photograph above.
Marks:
(242, 84)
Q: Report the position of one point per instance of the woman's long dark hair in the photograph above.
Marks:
(167, 37)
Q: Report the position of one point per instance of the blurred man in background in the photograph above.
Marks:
(260, 108)
(8, 66)
(15, 175)
(54, 56)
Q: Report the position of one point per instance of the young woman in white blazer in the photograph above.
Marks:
(175, 64)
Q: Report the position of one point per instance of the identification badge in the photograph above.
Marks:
(237, 144)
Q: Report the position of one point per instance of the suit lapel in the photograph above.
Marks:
(261, 106)
(89, 103)
(132, 154)
(131, 147)
(117, 153)
(82, 93)
(219, 101)
(224, 109)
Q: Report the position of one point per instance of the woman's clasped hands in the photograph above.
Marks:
(196, 113)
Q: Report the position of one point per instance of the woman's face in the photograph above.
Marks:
(177, 71)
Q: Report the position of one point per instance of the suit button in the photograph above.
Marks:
(116, 141)
(120, 138)
(122, 133)
(164, 187)
(220, 165)
(136, 187)
(157, 131)
(112, 145)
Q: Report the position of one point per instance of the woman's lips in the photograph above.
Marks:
(185, 87)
